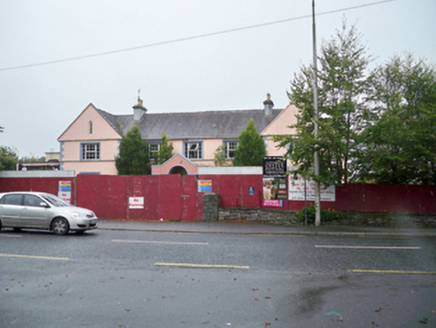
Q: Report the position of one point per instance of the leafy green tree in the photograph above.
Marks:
(220, 157)
(8, 158)
(251, 147)
(400, 144)
(32, 159)
(166, 150)
(341, 111)
(134, 157)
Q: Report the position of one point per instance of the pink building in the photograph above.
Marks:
(91, 143)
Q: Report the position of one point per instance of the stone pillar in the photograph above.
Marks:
(211, 204)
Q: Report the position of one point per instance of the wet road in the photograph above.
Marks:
(110, 278)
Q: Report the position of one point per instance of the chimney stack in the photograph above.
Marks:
(138, 110)
(268, 105)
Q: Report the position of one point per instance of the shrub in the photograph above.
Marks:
(326, 215)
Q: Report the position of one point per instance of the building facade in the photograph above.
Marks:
(91, 142)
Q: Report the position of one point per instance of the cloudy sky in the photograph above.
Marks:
(58, 56)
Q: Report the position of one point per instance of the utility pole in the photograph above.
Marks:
(315, 107)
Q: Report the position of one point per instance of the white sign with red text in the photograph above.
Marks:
(136, 202)
(296, 190)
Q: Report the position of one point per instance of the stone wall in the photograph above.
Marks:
(210, 207)
(391, 220)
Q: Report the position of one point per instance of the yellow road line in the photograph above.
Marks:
(35, 257)
(392, 271)
(191, 265)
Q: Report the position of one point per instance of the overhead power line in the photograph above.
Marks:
(200, 36)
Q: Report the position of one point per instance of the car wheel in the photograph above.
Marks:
(60, 226)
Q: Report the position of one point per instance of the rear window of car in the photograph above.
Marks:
(11, 199)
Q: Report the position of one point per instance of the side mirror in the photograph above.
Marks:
(43, 204)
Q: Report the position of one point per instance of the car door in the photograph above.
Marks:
(35, 213)
(10, 210)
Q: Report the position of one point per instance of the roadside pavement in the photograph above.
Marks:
(256, 228)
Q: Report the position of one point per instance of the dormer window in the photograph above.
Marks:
(90, 127)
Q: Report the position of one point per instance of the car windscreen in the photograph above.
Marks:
(57, 202)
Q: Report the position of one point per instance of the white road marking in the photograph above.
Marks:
(127, 241)
(192, 265)
(368, 247)
(10, 236)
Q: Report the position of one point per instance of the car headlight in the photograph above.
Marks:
(79, 215)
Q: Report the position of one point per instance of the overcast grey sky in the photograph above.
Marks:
(219, 72)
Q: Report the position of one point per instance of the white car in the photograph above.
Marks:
(38, 210)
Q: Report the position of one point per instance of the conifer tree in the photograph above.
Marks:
(251, 147)
(165, 150)
(134, 158)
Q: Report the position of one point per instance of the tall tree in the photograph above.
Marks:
(400, 144)
(8, 158)
(134, 158)
(251, 147)
(166, 150)
(341, 111)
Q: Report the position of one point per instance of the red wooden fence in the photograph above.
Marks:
(172, 197)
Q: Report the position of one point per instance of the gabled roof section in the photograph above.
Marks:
(226, 124)
(280, 124)
(77, 118)
(113, 120)
(78, 127)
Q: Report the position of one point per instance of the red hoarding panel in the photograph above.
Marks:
(400, 198)
(172, 197)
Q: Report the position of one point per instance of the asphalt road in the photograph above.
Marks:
(112, 278)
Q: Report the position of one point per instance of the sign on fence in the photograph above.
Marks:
(274, 181)
(136, 202)
(64, 191)
(301, 189)
(204, 185)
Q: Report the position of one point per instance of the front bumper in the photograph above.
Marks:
(83, 225)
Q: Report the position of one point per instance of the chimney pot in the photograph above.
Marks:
(268, 105)
(138, 110)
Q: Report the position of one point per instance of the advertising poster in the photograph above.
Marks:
(204, 185)
(64, 191)
(275, 191)
(297, 190)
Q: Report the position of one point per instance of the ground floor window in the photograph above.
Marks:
(90, 151)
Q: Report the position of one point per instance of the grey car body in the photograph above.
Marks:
(38, 210)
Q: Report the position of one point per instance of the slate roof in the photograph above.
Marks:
(226, 124)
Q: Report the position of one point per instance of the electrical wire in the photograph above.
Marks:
(200, 36)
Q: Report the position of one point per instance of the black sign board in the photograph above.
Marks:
(274, 166)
